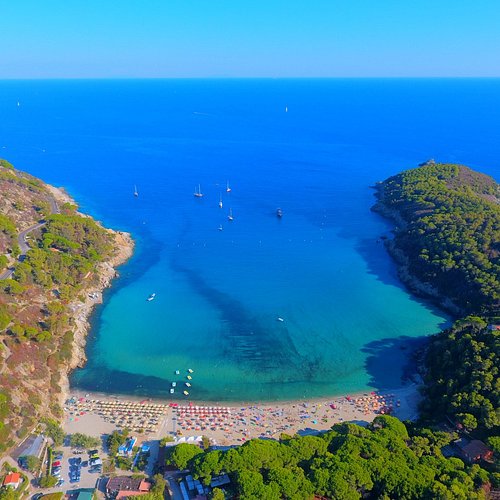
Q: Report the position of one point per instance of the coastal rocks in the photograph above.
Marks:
(416, 286)
(419, 288)
(124, 246)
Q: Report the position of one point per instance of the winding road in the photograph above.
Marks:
(21, 238)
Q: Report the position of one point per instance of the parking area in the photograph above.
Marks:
(79, 469)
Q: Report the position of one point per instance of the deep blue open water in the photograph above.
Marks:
(347, 324)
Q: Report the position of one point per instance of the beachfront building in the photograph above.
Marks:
(12, 480)
(122, 487)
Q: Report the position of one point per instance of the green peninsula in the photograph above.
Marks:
(54, 263)
(447, 235)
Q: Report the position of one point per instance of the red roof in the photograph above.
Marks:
(12, 478)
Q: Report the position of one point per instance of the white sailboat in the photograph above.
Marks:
(220, 201)
(230, 216)
(197, 192)
(228, 189)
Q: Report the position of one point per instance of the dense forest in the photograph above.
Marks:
(385, 460)
(462, 378)
(449, 232)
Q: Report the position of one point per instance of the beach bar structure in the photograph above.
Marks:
(127, 448)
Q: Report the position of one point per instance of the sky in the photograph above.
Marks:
(253, 38)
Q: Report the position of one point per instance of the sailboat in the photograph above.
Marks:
(228, 189)
(197, 192)
(230, 216)
(136, 193)
(220, 201)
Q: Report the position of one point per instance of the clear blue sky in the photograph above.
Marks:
(253, 38)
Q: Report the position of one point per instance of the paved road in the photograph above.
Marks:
(21, 238)
(173, 485)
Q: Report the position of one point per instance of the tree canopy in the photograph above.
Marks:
(462, 379)
(450, 231)
(385, 460)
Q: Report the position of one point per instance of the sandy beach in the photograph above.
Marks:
(228, 424)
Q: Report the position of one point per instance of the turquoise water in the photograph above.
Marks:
(348, 323)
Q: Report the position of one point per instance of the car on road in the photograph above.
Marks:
(84, 463)
(60, 482)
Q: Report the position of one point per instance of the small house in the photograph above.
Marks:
(12, 480)
(473, 451)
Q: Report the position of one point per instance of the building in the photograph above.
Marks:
(12, 480)
(127, 448)
(85, 494)
(122, 487)
(32, 445)
(473, 451)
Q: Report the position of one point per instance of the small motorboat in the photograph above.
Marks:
(190, 371)
(188, 384)
(186, 393)
(177, 372)
(172, 391)
(174, 384)
(151, 297)
(230, 216)
(221, 228)
(279, 213)
(189, 377)
(280, 319)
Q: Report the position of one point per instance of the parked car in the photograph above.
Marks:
(84, 463)
(56, 464)
(60, 482)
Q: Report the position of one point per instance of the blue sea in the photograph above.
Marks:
(312, 148)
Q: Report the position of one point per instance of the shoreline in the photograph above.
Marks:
(226, 423)
(82, 311)
(412, 283)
